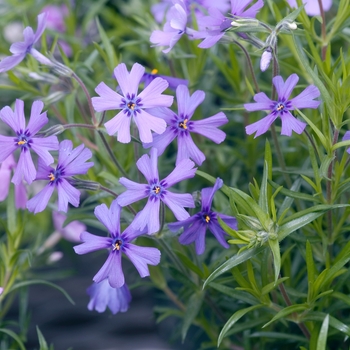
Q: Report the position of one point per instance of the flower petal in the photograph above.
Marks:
(148, 217)
(261, 126)
(289, 123)
(188, 149)
(7, 146)
(42, 146)
(119, 124)
(39, 202)
(305, 98)
(109, 217)
(187, 104)
(146, 122)
(108, 99)
(67, 194)
(208, 193)
(176, 203)
(148, 165)
(10, 62)
(184, 170)
(37, 119)
(152, 96)
(25, 168)
(288, 87)
(92, 243)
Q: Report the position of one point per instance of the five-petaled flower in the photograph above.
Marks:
(25, 140)
(132, 104)
(70, 162)
(196, 226)
(103, 295)
(157, 191)
(118, 243)
(21, 49)
(181, 126)
(282, 107)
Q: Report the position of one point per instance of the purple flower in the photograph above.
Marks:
(25, 140)
(181, 126)
(159, 10)
(312, 7)
(21, 49)
(71, 232)
(118, 243)
(6, 168)
(70, 162)
(174, 27)
(213, 27)
(282, 106)
(346, 137)
(132, 105)
(157, 191)
(173, 82)
(196, 226)
(103, 295)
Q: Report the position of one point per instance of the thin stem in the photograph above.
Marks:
(88, 97)
(113, 157)
(289, 303)
(86, 126)
(250, 65)
(323, 31)
(312, 143)
(174, 298)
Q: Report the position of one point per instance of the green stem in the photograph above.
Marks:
(113, 157)
(88, 97)
(250, 65)
(86, 126)
(323, 31)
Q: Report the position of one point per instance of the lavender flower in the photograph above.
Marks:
(157, 191)
(312, 7)
(6, 168)
(103, 295)
(21, 49)
(181, 126)
(25, 140)
(213, 27)
(70, 162)
(196, 226)
(346, 137)
(159, 10)
(118, 243)
(71, 232)
(174, 27)
(173, 82)
(132, 105)
(282, 107)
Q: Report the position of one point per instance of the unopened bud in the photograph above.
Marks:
(61, 69)
(241, 21)
(54, 130)
(265, 60)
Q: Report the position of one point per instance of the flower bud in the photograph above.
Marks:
(84, 184)
(265, 60)
(241, 21)
(54, 130)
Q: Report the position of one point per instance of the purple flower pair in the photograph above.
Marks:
(132, 104)
(21, 49)
(282, 107)
(196, 226)
(117, 244)
(181, 126)
(70, 162)
(157, 191)
(213, 27)
(25, 140)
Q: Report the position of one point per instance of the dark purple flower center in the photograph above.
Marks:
(282, 106)
(117, 244)
(207, 216)
(56, 175)
(156, 190)
(131, 105)
(181, 124)
(23, 140)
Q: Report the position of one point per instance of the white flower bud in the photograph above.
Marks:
(265, 60)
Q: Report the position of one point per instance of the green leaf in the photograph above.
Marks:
(275, 248)
(333, 322)
(14, 336)
(232, 262)
(287, 311)
(310, 265)
(322, 338)
(50, 284)
(193, 306)
(42, 341)
(234, 318)
(271, 286)
(263, 196)
(188, 263)
(11, 212)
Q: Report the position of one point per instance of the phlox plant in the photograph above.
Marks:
(206, 142)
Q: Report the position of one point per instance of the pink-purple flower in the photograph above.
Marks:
(21, 49)
(157, 191)
(282, 107)
(173, 82)
(25, 140)
(196, 226)
(212, 28)
(181, 126)
(132, 104)
(70, 162)
(174, 27)
(312, 7)
(6, 168)
(103, 295)
(117, 244)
